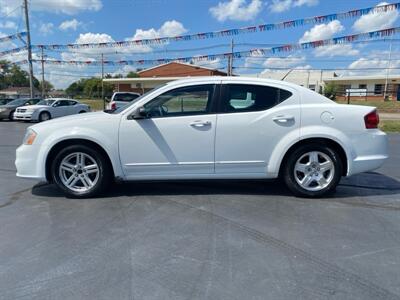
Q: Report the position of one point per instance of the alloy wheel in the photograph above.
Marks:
(314, 171)
(79, 172)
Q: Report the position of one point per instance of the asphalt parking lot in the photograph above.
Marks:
(199, 240)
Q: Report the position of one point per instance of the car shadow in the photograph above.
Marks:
(361, 185)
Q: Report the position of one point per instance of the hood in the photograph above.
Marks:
(33, 107)
(74, 120)
(11, 106)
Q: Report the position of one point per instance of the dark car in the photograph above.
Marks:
(4, 101)
(7, 110)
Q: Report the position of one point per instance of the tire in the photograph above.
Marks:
(70, 174)
(11, 116)
(44, 116)
(82, 112)
(312, 171)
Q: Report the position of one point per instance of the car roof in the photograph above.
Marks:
(234, 79)
(56, 99)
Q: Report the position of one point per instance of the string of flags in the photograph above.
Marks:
(379, 34)
(229, 32)
(12, 51)
(16, 36)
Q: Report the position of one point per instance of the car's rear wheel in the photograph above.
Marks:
(313, 170)
(44, 116)
(80, 171)
(82, 111)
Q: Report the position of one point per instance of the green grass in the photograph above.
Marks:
(95, 104)
(390, 125)
(382, 106)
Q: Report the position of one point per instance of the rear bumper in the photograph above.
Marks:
(4, 114)
(370, 152)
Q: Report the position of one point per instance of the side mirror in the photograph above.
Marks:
(141, 113)
(27, 103)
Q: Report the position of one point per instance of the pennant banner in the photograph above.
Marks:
(16, 36)
(229, 32)
(373, 35)
(12, 51)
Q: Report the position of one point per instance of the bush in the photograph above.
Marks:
(330, 91)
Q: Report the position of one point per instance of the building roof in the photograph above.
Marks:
(182, 64)
(157, 80)
(361, 78)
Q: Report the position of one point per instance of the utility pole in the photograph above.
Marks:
(388, 70)
(102, 81)
(230, 60)
(29, 46)
(43, 82)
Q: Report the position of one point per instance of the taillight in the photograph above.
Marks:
(113, 106)
(371, 120)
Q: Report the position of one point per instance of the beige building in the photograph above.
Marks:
(313, 80)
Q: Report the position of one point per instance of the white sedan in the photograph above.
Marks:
(48, 109)
(209, 128)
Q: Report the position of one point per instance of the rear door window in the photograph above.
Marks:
(247, 97)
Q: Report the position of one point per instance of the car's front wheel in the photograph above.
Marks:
(44, 116)
(11, 116)
(80, 171)
(313, 170)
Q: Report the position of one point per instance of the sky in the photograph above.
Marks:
(91, 21)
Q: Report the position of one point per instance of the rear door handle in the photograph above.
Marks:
(200, 123)
(283, 118)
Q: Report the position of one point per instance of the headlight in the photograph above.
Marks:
(29, 137)
(2, 109)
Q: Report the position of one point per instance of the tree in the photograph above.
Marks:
(132, 74)
(90, 88)
(47, 86)
(330, 90)
(11, 75)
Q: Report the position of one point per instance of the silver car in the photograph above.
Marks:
(50, 108)
(7, 110)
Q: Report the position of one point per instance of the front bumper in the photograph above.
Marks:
(26, 116)
(28, 163)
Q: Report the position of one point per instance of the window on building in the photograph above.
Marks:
(362, 86)
(378, 90)
(344, 87)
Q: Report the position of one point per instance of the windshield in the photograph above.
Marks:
(18, 102)
(121, 109)
(46, 102)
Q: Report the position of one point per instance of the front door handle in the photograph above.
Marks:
(283, 118)
(200, 123)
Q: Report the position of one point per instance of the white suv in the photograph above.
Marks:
(120, 99)
(209, 128)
